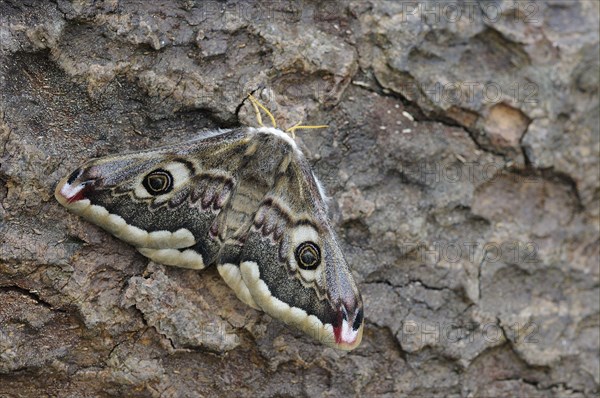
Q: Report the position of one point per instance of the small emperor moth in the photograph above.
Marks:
(244, 200)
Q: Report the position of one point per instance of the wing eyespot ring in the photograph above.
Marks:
(158, 182)
(308, 255)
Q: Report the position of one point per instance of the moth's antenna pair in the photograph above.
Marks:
(291, 130)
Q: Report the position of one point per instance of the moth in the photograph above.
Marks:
(244, 200)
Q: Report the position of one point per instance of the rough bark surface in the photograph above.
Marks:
(461, 156)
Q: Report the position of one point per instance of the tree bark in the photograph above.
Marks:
(462, 158)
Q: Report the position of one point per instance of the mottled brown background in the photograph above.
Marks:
(472, 230)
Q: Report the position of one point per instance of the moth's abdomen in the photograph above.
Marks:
(262, 164)
(243, 207)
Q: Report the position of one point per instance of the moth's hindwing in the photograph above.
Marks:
(244, 200)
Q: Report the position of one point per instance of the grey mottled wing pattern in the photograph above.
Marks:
(109, 192)
(323, 301)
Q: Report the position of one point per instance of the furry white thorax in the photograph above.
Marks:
(281, 134)
(286, 137)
